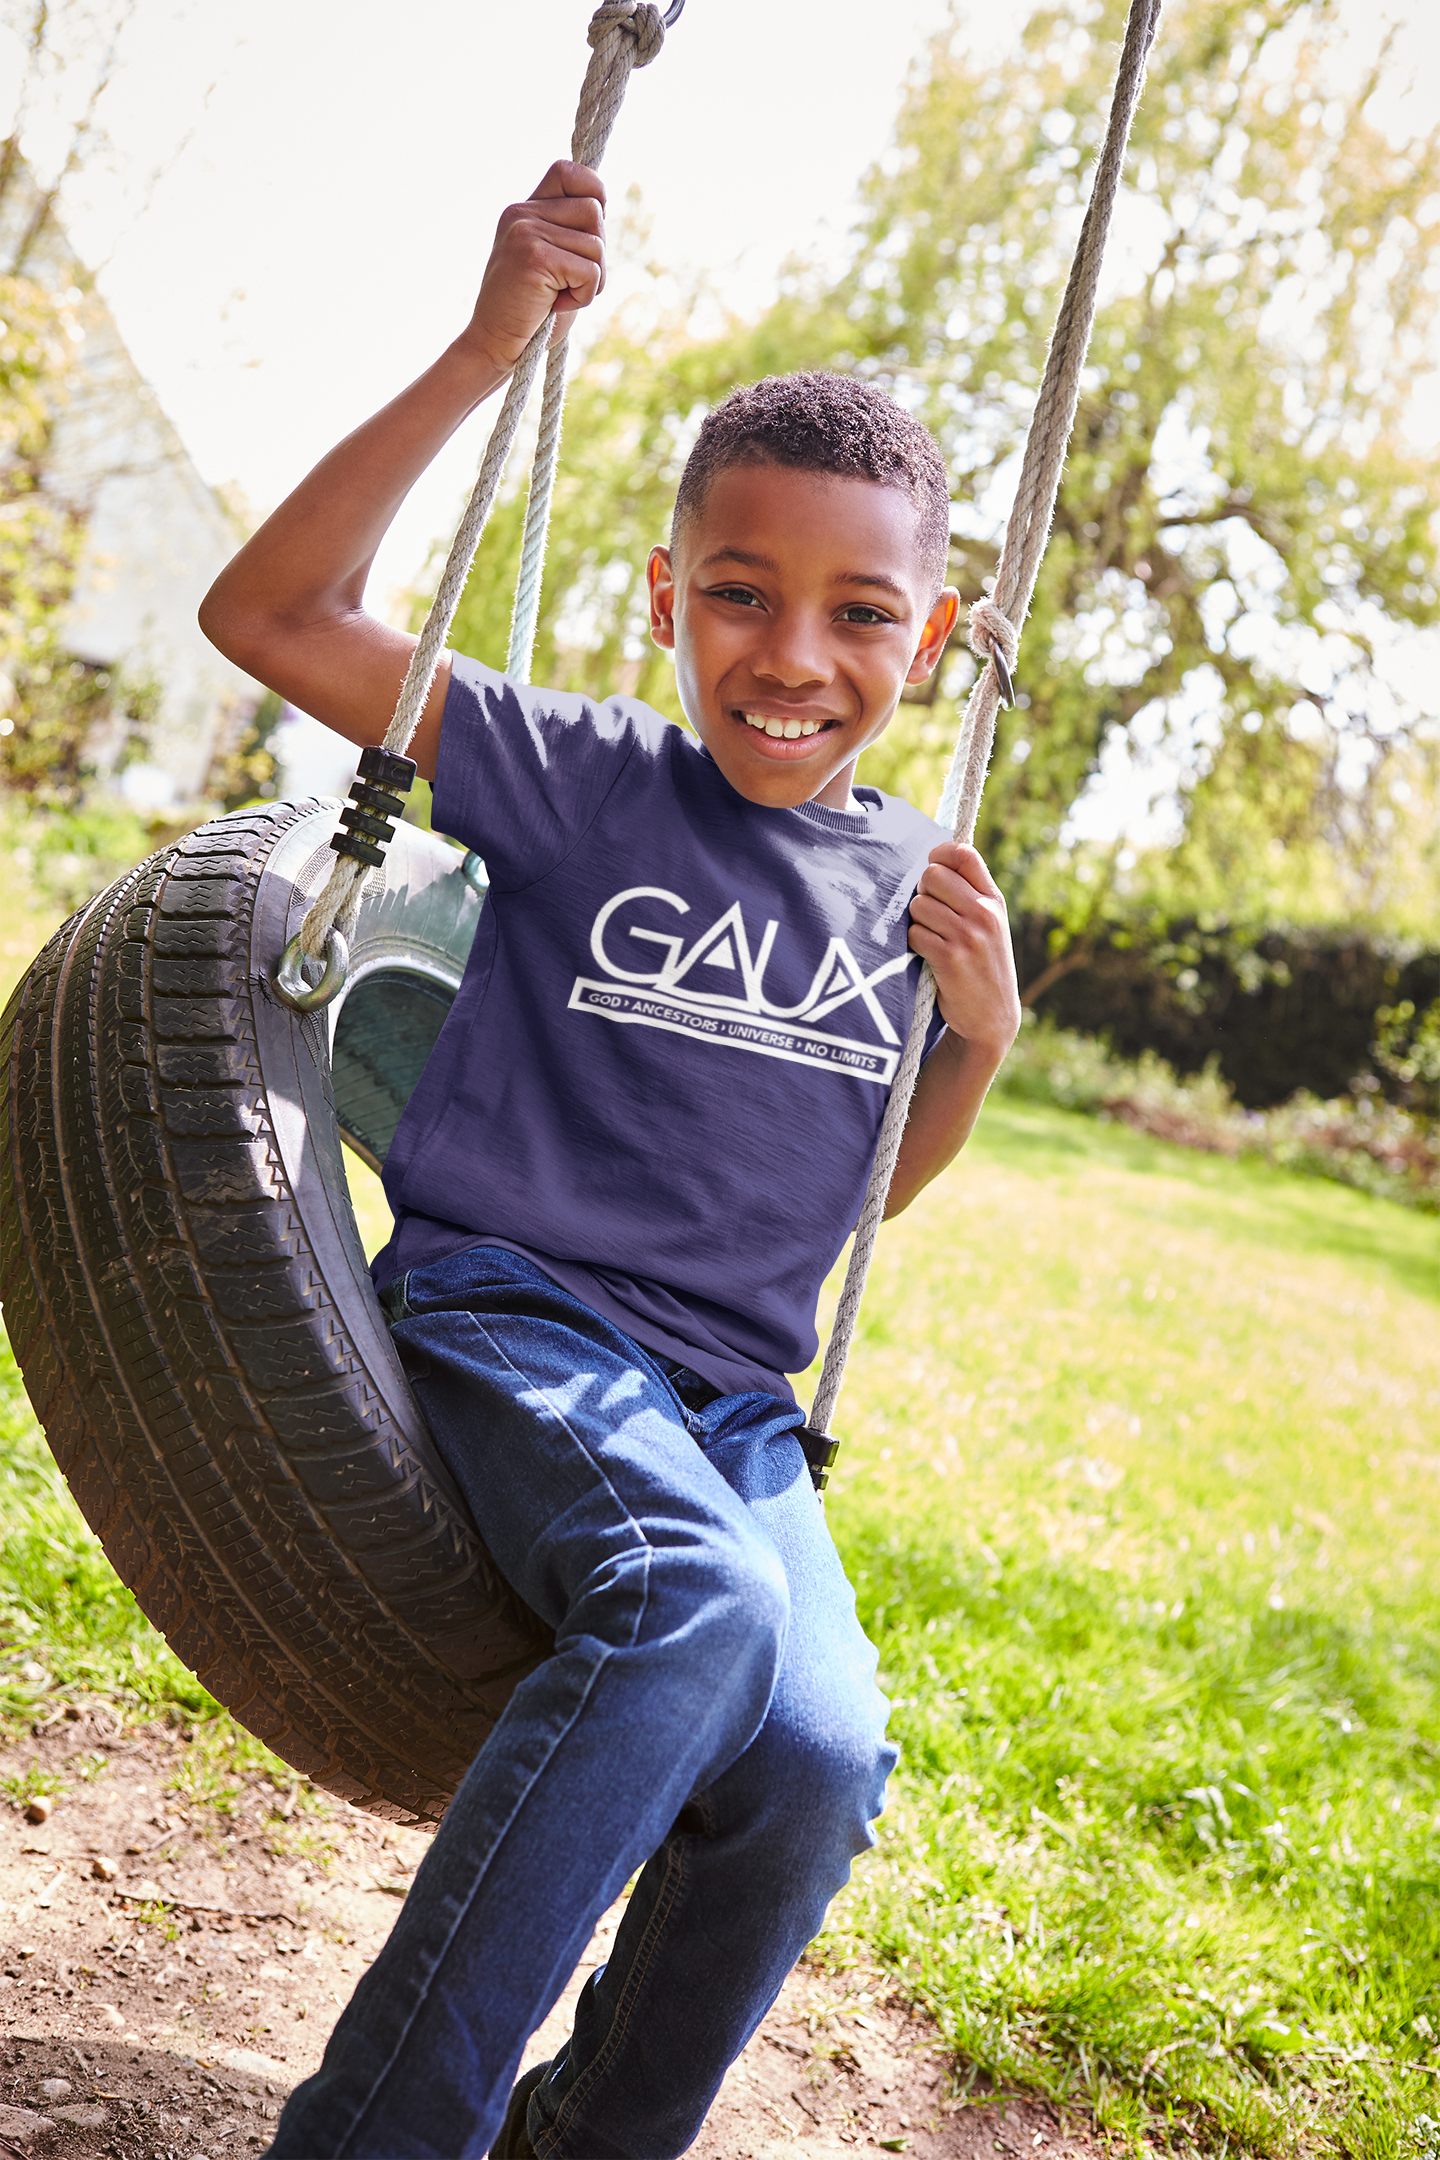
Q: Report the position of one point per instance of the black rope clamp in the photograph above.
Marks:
(378, 795)
(819, 1451)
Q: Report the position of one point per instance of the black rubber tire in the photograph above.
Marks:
(187, 1297)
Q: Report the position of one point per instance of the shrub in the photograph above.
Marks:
(1357, 1139)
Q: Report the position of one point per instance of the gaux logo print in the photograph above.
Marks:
(713, 989)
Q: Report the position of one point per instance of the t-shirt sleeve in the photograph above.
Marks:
(522, 771)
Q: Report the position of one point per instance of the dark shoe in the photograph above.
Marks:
(513, 2142)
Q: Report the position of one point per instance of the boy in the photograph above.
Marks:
(637, 1149)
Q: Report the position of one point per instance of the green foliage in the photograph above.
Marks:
(25, 1785)
(1056, 1065)
(246, 768)
(37, 541)
(300, 1826)
(55, 707)
(1408, 1048)
(57, 859)
(1234, 494)
(205, 1777)
(1238, 530)
(68, 715)
(1357, 1139)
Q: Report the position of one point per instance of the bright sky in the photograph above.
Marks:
(322, 234)
(332, 177)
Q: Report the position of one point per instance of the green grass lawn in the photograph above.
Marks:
(1139, 1490)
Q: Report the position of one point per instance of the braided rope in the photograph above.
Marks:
(623, 35)
(646, 34)
(526, 612)
(996, 624)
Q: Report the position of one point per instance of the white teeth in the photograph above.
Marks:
(789, 729)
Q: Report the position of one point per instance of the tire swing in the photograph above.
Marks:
(181, 1273)
(187, 1297)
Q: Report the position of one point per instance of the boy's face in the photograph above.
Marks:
(797, 608)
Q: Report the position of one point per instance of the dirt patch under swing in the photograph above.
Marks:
(168, 1972)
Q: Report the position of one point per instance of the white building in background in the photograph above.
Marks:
(156, 534)
(155, 539)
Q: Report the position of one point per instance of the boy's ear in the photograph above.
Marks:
(938, 625)
(660, 576)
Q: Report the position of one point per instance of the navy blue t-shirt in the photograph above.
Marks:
(664, 1074)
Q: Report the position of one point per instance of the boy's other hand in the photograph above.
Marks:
(958, 923)
(549, 253)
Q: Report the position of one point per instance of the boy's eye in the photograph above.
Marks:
(741, 594)
(862, 612)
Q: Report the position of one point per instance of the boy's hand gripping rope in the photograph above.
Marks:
(995, 635)
(623, 34)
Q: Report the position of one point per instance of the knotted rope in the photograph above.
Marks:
(623, 35)
(996, 623)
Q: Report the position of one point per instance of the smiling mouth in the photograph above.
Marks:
(780, 730)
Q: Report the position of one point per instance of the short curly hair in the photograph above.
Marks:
(823, 423)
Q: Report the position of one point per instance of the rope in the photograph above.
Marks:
(649, 37)
(623, 34)
(537, 517)
(996, 624)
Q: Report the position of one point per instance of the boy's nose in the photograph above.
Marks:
(792, 655)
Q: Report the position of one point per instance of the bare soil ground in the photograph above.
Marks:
(168, 1971)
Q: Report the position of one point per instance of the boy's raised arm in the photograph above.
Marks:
(290, 608)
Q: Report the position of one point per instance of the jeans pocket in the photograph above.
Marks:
(692, 1393)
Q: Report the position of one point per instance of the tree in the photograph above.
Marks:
(56, 707)
(1240, 530)
(1237, 523)
(39, 541)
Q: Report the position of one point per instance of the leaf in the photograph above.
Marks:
(1276, 2037)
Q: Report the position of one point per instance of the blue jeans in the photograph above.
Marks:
(710, 1716)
